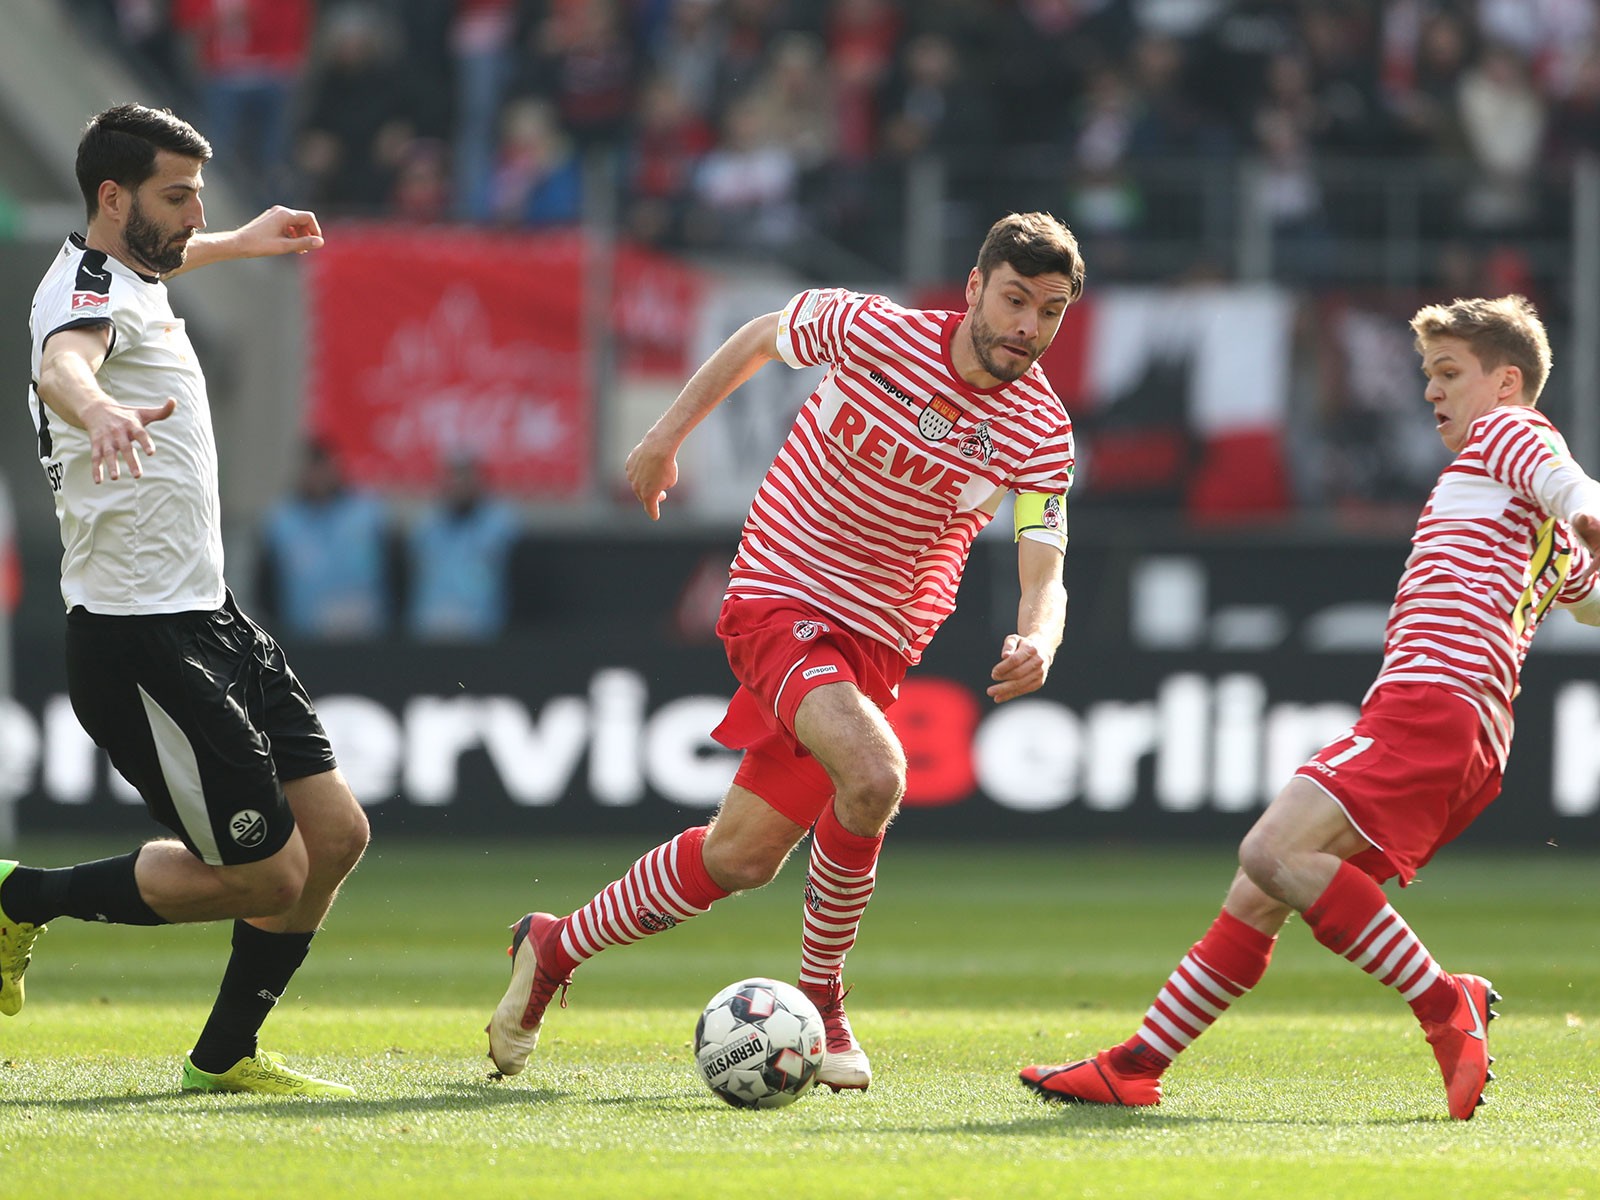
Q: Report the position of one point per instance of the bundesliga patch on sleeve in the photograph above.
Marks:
(807, 312)
(90, 304)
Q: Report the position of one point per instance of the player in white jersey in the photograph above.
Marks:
(849, 562)
(1511, 530)
(192, 701)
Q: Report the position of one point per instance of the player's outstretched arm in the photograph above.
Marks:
(652, 466)
(279, 230)
(1026, 655)
(68, 386)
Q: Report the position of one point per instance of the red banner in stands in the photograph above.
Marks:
(428, 344)
(655, 310)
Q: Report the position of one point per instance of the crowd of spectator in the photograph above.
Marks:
(757, 124)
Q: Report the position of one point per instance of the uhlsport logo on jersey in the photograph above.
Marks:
(248, 828)
(938, 418)
(806, 631)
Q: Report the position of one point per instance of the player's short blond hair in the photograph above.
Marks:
(1504, 332)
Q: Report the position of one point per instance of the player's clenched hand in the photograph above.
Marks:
(651, 468)
(1587, 526)
(1021, 669)
(279, 230)
(116, 434)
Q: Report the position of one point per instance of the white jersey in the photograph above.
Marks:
(130, 546)
(1492, 553)
(871, 506)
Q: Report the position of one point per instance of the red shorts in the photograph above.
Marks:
(780, 650)
(1415, 771)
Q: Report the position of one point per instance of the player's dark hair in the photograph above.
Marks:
(1032, 244)
(1505, 332)
(120, 144)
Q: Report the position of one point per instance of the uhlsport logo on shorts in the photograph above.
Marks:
(248, 827)
(805, 631)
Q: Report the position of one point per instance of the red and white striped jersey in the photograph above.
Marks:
(1491, 554)
(870, 508)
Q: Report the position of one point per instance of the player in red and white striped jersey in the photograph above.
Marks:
(1511, 530)
(849, 562)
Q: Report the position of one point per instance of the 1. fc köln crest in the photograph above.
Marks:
(938, 419)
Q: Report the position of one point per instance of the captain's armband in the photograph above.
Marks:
(1041, 517)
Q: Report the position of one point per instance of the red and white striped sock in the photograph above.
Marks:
(1222, 966)
(1353, 918)
(839, 882)
(664, 888)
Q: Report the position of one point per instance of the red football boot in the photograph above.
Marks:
(845, 1065)
(1093, 1081)
(1461, 1044)
(514, 1029)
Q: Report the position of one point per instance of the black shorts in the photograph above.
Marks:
(200, 712)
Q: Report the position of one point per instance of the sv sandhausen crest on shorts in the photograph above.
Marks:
(938, 418)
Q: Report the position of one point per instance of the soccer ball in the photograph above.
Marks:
(759, 1043)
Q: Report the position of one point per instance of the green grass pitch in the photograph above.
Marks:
(972, 962)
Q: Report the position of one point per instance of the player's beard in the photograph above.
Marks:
(153, 246)
(984, 342)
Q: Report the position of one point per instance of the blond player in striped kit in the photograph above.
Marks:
(848, 563)
(1511, 530)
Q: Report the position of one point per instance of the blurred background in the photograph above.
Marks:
(542, 214)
